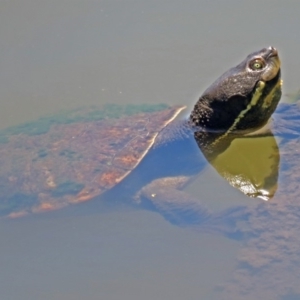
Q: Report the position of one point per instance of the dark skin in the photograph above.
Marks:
(221, 104)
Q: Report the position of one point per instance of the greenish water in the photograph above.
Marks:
(90, 114)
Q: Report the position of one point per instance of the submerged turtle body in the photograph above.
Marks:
(74, 162)
(49, 165)
(52, 164)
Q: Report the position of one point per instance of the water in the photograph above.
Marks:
(65, 54)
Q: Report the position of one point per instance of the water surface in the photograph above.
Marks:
(65, 54)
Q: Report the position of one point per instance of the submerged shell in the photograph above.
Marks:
(76, 156)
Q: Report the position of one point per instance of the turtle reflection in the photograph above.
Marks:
(249, 164)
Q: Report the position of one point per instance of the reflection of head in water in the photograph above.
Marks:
(250, 164)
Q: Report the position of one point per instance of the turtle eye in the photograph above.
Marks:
(257, 64)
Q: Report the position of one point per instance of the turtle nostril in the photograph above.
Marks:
(273, 51)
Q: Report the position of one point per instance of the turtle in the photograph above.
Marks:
(55, 162)
(39, 159)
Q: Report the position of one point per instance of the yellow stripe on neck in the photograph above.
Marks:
(272, 94)
(256, 96)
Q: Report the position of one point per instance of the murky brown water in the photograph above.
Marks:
(65, 54)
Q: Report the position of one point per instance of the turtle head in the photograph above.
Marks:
(244, 97)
